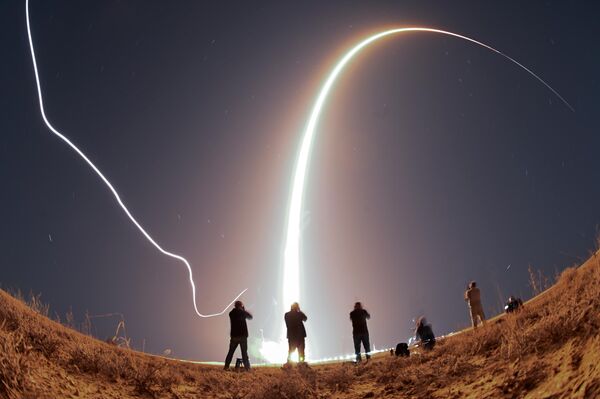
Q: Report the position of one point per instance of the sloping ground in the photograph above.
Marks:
(550, 349)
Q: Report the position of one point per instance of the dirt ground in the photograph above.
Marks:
(549, 349)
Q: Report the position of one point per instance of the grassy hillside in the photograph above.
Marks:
(550, 349)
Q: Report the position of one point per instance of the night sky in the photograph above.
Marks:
(436, 161)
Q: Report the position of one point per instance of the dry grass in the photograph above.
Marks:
(14, 365)
(548, 348)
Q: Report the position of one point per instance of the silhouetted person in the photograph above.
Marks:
(294, 321)
(424, 334)
(239, 334)
(360, 332)
(513, 304)
(473, 298)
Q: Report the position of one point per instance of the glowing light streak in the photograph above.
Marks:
(291, 278)
(109, 185)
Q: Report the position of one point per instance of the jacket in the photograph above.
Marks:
(294, 321)
(238, 318)
(359, 319)
(473, 297)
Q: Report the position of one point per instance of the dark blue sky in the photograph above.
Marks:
(436, 162)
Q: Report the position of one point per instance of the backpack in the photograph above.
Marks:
(402, 349)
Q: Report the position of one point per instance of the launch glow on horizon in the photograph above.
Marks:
(291, 265)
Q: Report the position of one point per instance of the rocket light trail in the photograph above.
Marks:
(291, 272)
(109, 185)
(291, 277)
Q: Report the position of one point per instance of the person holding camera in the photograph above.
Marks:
(424, 334)
(473, 298)
(360, 332)
(513, 304)
(239, 334)
(296, 333)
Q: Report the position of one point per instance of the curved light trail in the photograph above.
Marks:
(109, 185)
(291, 273)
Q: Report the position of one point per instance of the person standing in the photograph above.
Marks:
(473, 298)
(238, 334)
(296, 333)
(360, 332)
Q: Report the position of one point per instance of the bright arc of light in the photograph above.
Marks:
(109, 185)
(291, 273)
